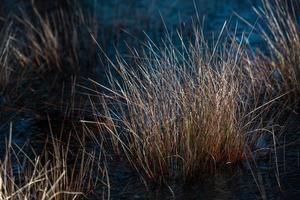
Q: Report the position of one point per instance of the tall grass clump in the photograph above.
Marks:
(54, 41)
(59, 173)
(282, 35)
(184, 111)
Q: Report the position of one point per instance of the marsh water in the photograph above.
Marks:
(130, 22)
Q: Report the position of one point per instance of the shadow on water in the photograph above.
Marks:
(126, 22)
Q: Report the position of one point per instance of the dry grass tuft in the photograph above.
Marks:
(282, 36)
(54, 41)
(57, 41)
(59, 173)
(185, 111)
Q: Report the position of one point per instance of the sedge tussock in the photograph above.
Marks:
(57, 173)
(53, 41)
(185, 111)
(281, 33)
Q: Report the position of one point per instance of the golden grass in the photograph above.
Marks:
(33, 44)
(54, 41)
(58, 173)
(185, 111)
(281, 32)
(177, 112)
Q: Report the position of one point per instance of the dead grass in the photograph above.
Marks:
(185, 111)
(54, 41)
(58, 173)
(5, 62)
(180, 111)
(40, 46)
(281, 32)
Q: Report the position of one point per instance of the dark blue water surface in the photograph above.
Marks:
(154, 17)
